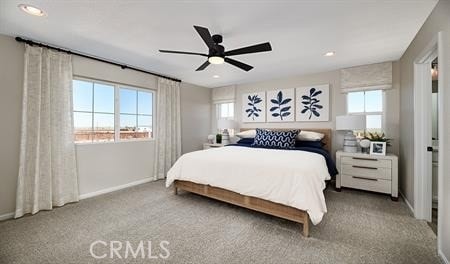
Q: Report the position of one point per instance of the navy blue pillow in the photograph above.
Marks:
(308, 144)
(246, 141)
(275, 139)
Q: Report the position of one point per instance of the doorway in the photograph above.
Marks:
(435, 143)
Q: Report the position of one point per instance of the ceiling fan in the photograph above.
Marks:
(217, 53)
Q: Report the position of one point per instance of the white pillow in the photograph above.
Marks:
(247, 134)
(310, 136)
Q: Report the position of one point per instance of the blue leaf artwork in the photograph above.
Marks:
(313, 103)
(281, 109)
(280, 105)
(253, 109)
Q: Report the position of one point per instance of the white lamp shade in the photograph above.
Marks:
(225, 124)
(350, 122)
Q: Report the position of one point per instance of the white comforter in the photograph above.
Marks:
(289, 177)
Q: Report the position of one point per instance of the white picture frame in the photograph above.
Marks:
(280, 105)
(378, 148)
(312, 103)
(254, 107)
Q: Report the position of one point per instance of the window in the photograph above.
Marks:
(369, 103)
(225, 111)
(135, 113)
(105, 112)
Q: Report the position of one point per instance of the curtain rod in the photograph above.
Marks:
(123, 66)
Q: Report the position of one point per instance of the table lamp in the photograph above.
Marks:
(349, 123)
(223, 125)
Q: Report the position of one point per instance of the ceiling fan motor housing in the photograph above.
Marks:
(217, 38)
(217, 50)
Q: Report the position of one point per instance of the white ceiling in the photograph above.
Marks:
(132, 31)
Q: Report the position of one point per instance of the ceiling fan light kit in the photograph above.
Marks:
(216, 60)
(217, 53)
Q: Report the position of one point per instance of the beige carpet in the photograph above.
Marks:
(359, 228)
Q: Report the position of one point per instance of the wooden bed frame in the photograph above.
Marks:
(257, 204)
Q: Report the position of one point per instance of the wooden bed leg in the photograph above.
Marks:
(306, 226)
(175, 190)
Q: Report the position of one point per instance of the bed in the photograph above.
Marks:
(244, 176)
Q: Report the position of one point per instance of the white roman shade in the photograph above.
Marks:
(224, 94)
(367, 77)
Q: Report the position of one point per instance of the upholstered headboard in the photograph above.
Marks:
(326, 131)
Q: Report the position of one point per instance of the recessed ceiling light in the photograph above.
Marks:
(216, 76)
(31, 10)
(329, 54)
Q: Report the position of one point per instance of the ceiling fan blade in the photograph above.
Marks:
(250, 49)
(183, 52)
(203, 66)
(239, 64)
(206, 36)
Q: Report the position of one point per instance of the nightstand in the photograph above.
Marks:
(212, 145)
(368, 172)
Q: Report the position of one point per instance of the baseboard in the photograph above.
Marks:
(407, 202)
(115, 188)
(92, 194)
(444, 259)
(6, 216)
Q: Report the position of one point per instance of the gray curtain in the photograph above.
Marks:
(47, 172)
(168, 127)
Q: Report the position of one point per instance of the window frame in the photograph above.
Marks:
(116, 113)
(382, 113)
(219, 110)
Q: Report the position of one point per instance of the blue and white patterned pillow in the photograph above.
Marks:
(275, 139)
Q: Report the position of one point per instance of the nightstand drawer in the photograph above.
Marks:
(366, 171)
(368, 184)
(367, 162)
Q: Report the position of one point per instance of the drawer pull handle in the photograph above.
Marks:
(364, 167)
(362, 178)
(364, 159)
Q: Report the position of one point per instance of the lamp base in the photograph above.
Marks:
(350, 143)
(225, 137)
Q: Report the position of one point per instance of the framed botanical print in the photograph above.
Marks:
(280, 105)
(313, 103)
(254, 107)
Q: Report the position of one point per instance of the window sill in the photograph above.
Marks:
(114, 142)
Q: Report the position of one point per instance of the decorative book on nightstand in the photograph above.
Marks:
(368, 172)
(212, 145)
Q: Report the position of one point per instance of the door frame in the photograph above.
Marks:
(422, 131)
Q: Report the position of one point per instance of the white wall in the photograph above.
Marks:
(195, 110)
(107, 165)
(11, 79)
(101, 165)
(338, 104)
(438, 21)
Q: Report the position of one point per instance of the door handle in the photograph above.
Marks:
(429, 148)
